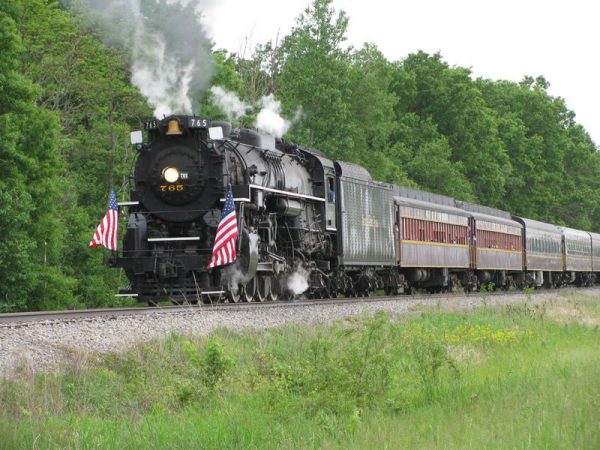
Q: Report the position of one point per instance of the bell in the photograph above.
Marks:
(174, 129)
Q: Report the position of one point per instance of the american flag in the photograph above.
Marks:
(227, 233)
(108, 231)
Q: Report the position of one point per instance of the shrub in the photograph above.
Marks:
(216, 363)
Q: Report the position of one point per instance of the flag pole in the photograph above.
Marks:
(241, 216)
(228, 173)
(116, 250)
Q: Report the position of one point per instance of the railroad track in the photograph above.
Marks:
(23, 318)
(47, 341)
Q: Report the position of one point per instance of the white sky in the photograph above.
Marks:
(499, 40)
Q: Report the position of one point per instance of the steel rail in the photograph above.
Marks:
(24, 318)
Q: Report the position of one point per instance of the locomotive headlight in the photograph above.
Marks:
(170, 174)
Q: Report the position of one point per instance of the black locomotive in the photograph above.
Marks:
(311, 225)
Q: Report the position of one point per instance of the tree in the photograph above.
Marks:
(33, 233)
(226, 77)
(371, 109)
(314, 77)
(455, 105)
(260, 74)
(555, 164)
(84, 84)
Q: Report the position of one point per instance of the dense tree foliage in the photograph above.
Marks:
(66, 106)
(30, 223)
(315, 76)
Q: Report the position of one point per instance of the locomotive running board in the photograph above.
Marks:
(286, 193)
(242, 193)
(191, 238)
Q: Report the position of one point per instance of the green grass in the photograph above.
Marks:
(518, 377)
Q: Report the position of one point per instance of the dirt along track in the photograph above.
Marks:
(45, 341)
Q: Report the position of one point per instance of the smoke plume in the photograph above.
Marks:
(229, 102)
(171, 59)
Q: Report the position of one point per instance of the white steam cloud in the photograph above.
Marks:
(234, 278)
(171, 58)
(297, 282)
(229, 102)
(269, 118)
(233, 274)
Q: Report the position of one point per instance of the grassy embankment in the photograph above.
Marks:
(517, 377)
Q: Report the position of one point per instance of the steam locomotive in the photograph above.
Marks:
(311, 225)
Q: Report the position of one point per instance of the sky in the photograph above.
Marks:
(506, 39)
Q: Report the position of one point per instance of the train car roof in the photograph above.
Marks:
(574, 232)
(313, 151)
(324, 160)
(349, 170)
(537, 225)
(429, 197)
(595, 237)
(481, 209)
(430, 206)
(423, 196)
(496, 219)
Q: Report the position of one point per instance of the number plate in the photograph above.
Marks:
(197, 122)
(172, 187)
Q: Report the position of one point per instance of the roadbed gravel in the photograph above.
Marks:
(50, 345)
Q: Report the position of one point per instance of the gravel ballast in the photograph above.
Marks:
(46, 346)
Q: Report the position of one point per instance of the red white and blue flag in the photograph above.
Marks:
(227, 233)
(107, 232)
